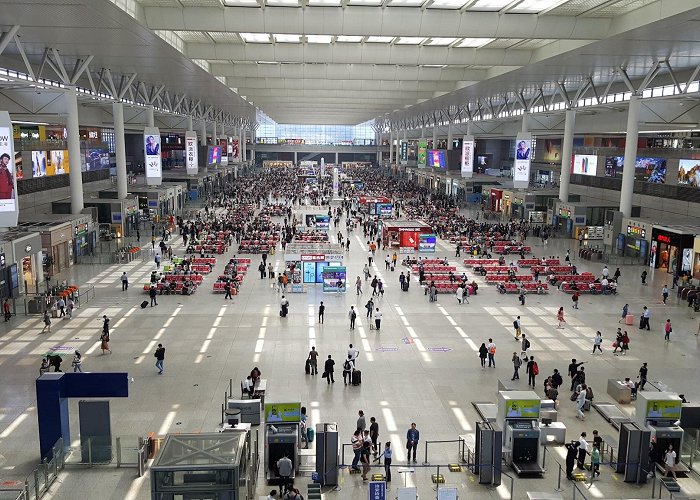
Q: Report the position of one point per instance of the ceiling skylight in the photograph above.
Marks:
(240, 3)
(441, 41)
(410, 40)
(474, 42)
(447, 4)
(380, 39)
(324, 2)
(319, 38)
(406, 3)
(349, 38)
(490, 4)
(255, 37)
(287, 3)
(284, 38)
(534, 6)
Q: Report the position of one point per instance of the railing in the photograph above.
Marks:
(460, 447)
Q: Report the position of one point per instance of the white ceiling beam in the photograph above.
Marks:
(7, 37)
(23, 55)
(375, 20)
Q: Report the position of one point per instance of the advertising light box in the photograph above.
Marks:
(154, 166)
(689, 173)
(523, 408)
(585, 165)
(426, 243)
(332, 276)
(467, 156)
(9, 210)
(191, 158)
(521, 166)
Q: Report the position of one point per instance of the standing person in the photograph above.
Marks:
(285, 470)
(353, 353)
(517, 363)
(625, 310)
(524, 346)
(321, 312)
(517, 328)
(492, 353)
(606, 272)
(125, 282)
(160, 357)
(483, 353)
(6, 309)
(664, 293)
(644, 277)
(597, 342)
(356, 441)
(352, 314)
(347, 371)
(370, 307)
(374, 434)
(574, 299)
(387, 455)
(328, 369)
(643, 372)
(47, 321)
(412, 437)
(644, 321)
(573, 371)
(582, 450)
(617, 275)
(377, 319)
(227, 289)
(364, 455)
(361, 422)
(77, 362)
(358, 285)
(284, 307)
(571, 452)
(667, 330)
(560, 318)
(581, 403)
(532, 371)
(670, 461)
(70, 305)
(152, 295)
(313, 360)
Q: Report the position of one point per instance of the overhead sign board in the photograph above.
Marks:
(154, 166)
(191, 159)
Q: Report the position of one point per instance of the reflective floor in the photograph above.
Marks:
(423, 366)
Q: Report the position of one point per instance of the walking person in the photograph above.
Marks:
(356, 442)
(625, 310)
(582, 451)
(377, 320)
(370, 308)
(387, 454)
(517, 327)
(364, 458)
(595, 461)
(6, 309)
(532, 371)
(227, 289)
(412, 437)
(667, 330)
(104, 337)
(361, 421)
(160, 357)
(643, 372)
(70, 305)
(483, 353)
(664, 294)
(313, 361)
(581, 403)
(574, 299)
(560, 318)
(524, 346)
(61, 304)
(152, 295)
(492, 353)
(47, 321)
(374, 435)
(77, 362)
(328, 369)
(597, 342)
(571, 453)
(670, 462)
(125, 282)
(517, 363)
(352, 314)
(644, 277)
(321, 312)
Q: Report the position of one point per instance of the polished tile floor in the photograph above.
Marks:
(422, 367)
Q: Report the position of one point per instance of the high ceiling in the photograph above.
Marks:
(346, 61)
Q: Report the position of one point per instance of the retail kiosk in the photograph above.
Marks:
(518, 416)
(404, 234)
(307, 262)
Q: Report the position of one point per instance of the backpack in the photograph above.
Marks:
(515, 324)
(527, 343)
(353, 314)
(535, 368)
(492, 350)
(346, 366)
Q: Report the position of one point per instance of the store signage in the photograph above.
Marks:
(154, 166)
(662, 238)
(636, 231)
(9, 209)
(191, 158)
(80, 229)
(467, 156)
(377, 490)
(404, 152)
(313, 258)
(521, 166)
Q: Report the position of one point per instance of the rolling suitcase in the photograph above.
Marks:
(144, 304)
(307, 367)
(356, 377)
(629, 319)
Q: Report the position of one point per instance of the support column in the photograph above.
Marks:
(450, 135)
(190, 125)
(73, 132)
(296, 158)
(630, 157)
(566, 150)
(203, 136)
(526, 123)
(120, 149)
(223, 131)
(398, 148)
(391, 147)
(336, 158)
(244, 155)
(435, 133)
(214, 136)
(150, 117)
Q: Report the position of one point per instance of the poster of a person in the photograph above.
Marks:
(152, 146)
(523, 151)
(7, 181)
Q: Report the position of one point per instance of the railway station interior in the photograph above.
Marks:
(349, 249)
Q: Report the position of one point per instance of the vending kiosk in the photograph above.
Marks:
(518, 416)
(282, 438)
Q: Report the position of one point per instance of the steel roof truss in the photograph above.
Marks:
(7, 37)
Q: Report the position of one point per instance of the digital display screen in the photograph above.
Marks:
(332, 276)
(96, 159)
(437, 158)
(426, 243)
(651, 170)
(664, 409)
(689, 173)
(384, 209)
(309, 272)
(214, 155)
(584, 165)
(523, 408)
(282, 412)
(14, 278)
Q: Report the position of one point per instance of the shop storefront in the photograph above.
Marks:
(306, 262)
(404, 235)
(696, 258)
(495, 200)
(672, 248)
(634, 239)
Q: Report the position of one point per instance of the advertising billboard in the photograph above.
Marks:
(437, 158)
(467, 156)
(223, 147)
(422, 153)
(214, 155)
(651, 170)
(426, 243)
(332, 277)
(404, 152)
(191, 153)
(689, 173)
(9, 210)
(58, 162)
(38, 163)
(235, 156)
(584, 165)
(523, 156)
(154, 166)
(523, 408)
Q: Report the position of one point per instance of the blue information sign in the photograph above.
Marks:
(377, 490)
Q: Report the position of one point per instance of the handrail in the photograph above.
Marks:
(458, 441)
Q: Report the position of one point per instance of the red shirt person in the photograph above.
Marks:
(7, 182)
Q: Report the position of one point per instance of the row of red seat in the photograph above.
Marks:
(213, 248)
(497, 278)
(537, 262)
(203, 260)
(219, 287)
(255, 248)
(178, 287)
(194, 278)
(435, 269)
(480, 262)
(499, 269)
(511, 249)
(528, 287)
(553, 269)
(584, 289)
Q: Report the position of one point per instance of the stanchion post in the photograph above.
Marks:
(544, 457)
(437, 482)
(559, 488)
(425, 462)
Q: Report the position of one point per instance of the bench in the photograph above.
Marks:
(178, 288)
(219, 287)
(537, 262)
(502, 278)
(480, 262)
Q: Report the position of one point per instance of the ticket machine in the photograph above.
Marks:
(518, 416)
(282, 421)
(661, 412)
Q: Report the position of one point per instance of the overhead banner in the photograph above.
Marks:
(154, 166)
(192, 159)
(521, 167)
(9, 209)
(223, 145)
(404, 152)
(235, 156)
(468, 156)
(422, 152)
